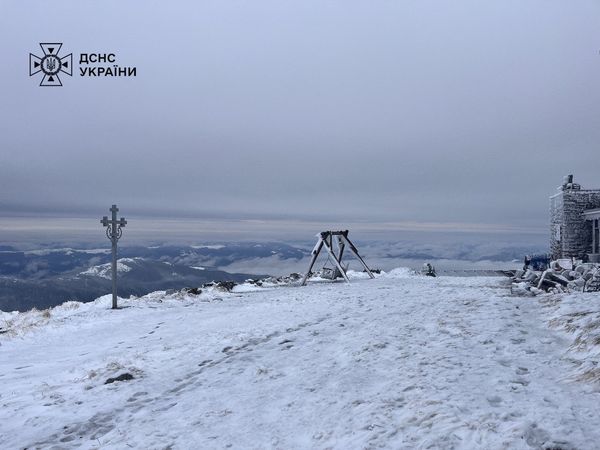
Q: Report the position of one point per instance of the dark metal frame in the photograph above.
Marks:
(326, 240)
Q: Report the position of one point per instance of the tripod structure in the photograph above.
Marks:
(326, 240)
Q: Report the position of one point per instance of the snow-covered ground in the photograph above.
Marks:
(397, 362)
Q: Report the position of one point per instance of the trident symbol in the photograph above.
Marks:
(50, 64)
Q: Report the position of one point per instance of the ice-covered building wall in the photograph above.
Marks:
(570, 232)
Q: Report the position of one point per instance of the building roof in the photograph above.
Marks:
(592, 214)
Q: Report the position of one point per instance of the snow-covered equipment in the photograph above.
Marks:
(325, 239)
(536, 262)
(331, 273)
(428, 270)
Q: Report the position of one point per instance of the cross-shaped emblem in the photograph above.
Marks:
(51, 64)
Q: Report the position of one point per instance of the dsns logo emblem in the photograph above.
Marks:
(50, 64)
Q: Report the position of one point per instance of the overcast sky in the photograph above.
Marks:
(446, 112)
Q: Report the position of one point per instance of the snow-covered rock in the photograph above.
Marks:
(560, 277)
(104, 270)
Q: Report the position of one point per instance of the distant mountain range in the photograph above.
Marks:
(48, 277)
(50, 262)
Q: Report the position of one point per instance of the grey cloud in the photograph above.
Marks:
(341, 111)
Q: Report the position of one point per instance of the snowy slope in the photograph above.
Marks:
(396, 362)
(105, 270)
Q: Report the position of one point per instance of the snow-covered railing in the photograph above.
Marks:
(476, 272)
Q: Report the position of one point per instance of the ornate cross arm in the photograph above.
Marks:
(114, 227)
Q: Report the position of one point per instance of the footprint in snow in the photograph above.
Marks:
(136, 396)
(287, 344)
(535, 436)
(494, 400)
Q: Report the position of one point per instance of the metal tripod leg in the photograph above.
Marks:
(355, 252)
(315, 254)
(337, 263)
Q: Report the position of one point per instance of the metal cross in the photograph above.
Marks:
(114, 231)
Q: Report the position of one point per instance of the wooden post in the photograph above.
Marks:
(315, 253)
(355, 252)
